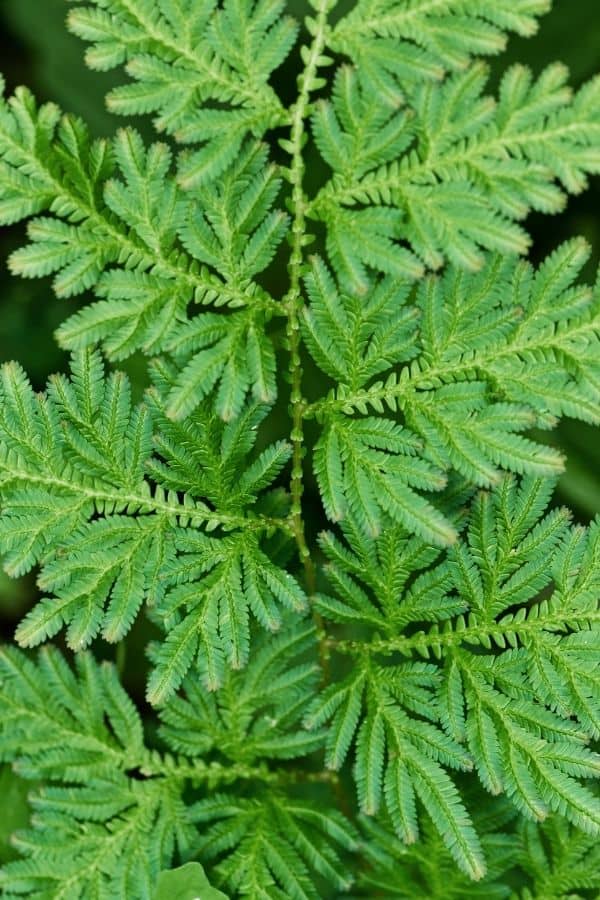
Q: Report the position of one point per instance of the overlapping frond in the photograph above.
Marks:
(559, 860)
(84, 498)
(492, 691)
(201, 69)
(97, 830)
(426, 869)
(257, 713)
(118, 223)
(276, 843)
(395, 41)
(452, 172)
(110, 813)
(64, 724)
(552, 860)
(214, 586)
(275, 846)
(491, 355)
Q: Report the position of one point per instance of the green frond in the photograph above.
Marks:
(353, 339)
(82, 846)
(204, 456)
(375, 474)
(274, 846)
(83, 498)
(95, 829)
(111, 814)
(454, 170)
(62, 725)
(513, 666)
(202, 71)
(210, 590)
(552, 861)
(492, 355)
(406, 706)
(256, 714)
(118, 223)
(232, 352)
(392, 41)
(559, 860)
(426, 869)
(398, 758)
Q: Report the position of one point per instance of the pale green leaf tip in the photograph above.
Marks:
(188, 882)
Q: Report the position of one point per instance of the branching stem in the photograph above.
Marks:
(307, 82)
(501, 633)
(216, 773)
(143, 499)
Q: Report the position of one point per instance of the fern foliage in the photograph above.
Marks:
(408, 705)
(203, 71)
(83, 737)
(518, 714)
(84, 498)
(471, 168)
(113, 810)
(471, 362)
(550, 860)
(428, 38)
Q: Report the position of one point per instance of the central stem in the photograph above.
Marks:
(293, 302)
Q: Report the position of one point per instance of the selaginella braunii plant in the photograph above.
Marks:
(391, 695)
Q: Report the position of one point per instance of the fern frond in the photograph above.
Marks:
(274, 846)
(438, 656)
(202, 70)
(110, 813)
(398, 758)
(392, 41)
(551, 860)
(212, 587)
(494, 354)
(253, 716)
(497, 693)
(101, 847)
(59, 724)
(377, 471)
(78, 500)
(95, 828)
(471, 167)
(426, 869)
(121, 225)
(559, 860)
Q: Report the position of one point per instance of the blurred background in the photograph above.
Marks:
(37, 50)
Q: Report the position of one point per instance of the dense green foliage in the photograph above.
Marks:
(322, 715)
